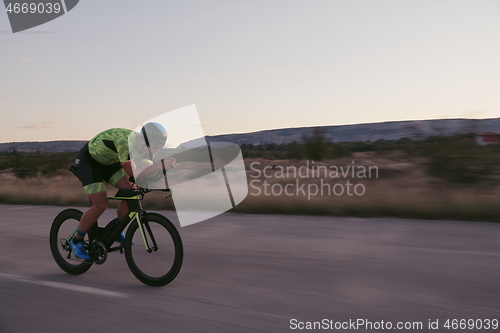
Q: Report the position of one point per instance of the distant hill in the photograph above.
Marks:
(391, 130)
(45, 146)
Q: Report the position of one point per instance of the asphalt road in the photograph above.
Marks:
(259, 273)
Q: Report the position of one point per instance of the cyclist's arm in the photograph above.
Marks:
(128, 166)
(150, 168)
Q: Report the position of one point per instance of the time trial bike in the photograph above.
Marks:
(153, 247)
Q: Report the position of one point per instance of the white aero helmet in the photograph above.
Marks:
(154, 135)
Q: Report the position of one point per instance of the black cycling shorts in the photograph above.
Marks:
(92, 174)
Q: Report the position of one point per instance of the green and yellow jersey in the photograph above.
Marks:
(110, 146)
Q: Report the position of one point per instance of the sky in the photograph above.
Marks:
(248, 65)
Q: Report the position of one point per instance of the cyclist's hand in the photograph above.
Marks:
(170, 163)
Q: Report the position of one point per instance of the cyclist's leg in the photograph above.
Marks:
(119, 179)
(99, 203)
(122, 209)
(91, 177)
(121, 182)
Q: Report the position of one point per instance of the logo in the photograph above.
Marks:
(208, 179)
(26, 14)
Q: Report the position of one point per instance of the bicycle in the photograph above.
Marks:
(154, 231)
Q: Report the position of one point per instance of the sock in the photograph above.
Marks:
(79, 239)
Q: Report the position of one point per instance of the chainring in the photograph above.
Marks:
(99, 252)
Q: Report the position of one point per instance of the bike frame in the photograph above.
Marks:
(110, 233)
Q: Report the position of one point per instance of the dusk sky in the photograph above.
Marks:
(249, 65)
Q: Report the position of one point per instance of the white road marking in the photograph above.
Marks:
(21, 207)
(62, 285)
(466, 252)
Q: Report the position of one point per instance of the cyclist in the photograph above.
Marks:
(107, 158)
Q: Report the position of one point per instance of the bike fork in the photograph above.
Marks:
(140, 224)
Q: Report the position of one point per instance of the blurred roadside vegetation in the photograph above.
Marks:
(36, 163)
(438, 177)
(453, 159)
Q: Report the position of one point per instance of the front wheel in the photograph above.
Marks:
(156, 256)
(62, 229)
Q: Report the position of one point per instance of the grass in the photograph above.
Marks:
(403, 190)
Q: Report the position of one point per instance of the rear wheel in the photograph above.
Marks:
(157, 258)
(62, 228)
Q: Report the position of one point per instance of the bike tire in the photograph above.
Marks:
(62, 227)
(156, 268)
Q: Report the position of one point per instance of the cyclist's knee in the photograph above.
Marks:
(100, 205)
(98, 210)
(123, 183)
(99, 201)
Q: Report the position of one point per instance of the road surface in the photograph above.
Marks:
(260, 273)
